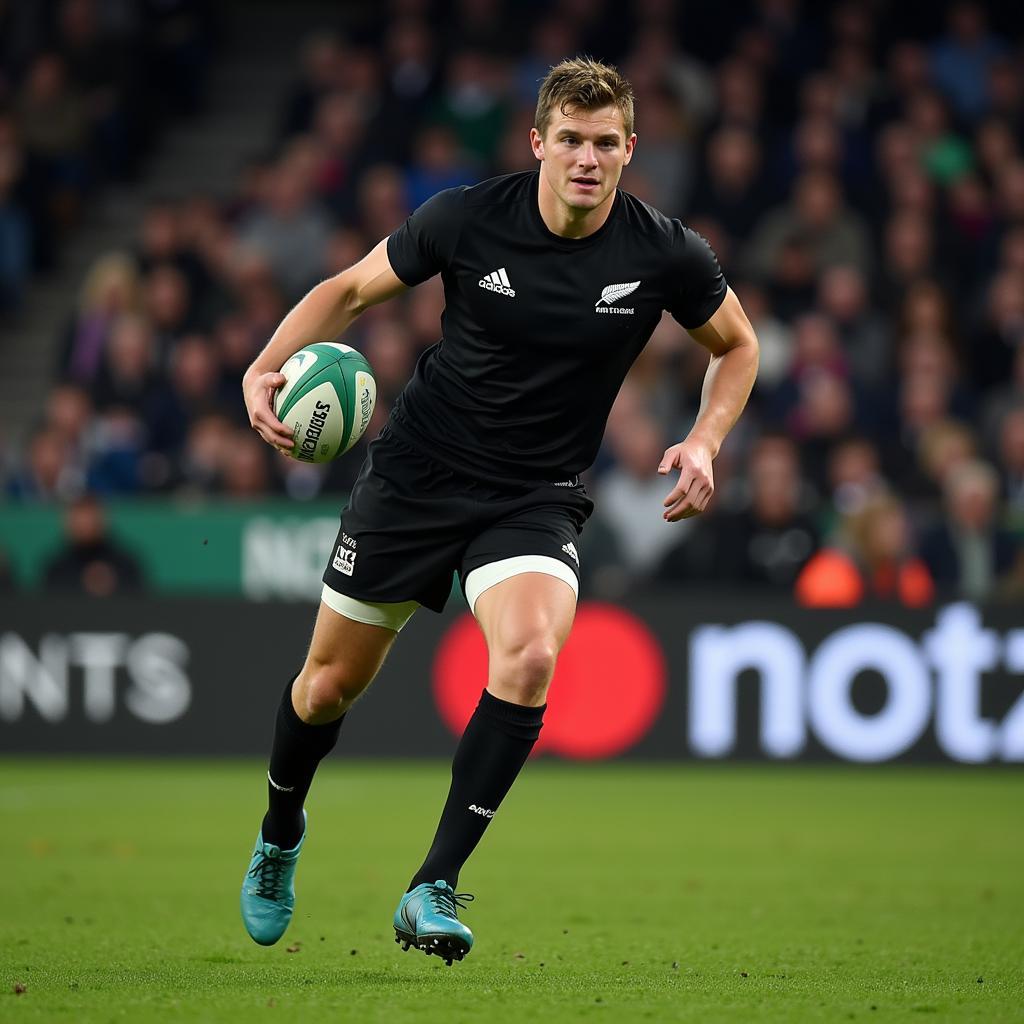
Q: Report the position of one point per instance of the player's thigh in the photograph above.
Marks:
(521, 574)
(344, 656)
(524, 607)
(355, 648)
(525, 620)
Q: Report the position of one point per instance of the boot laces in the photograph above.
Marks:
(445, 901)
(268, 871)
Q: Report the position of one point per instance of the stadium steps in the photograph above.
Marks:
(246, 91)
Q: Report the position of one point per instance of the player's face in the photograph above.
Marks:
(583, 153)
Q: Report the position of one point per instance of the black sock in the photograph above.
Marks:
(298, 749)
(491, 753)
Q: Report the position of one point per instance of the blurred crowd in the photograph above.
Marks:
(85, 88)
(858, 167)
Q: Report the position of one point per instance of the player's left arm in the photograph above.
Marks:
(732, 343)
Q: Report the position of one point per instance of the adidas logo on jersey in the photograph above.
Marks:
(570, 550)
(497, 281)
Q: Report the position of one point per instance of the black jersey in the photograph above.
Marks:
(538, 330)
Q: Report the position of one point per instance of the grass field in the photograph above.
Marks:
(609, 893)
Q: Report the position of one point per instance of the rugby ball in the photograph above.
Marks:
(326, 401)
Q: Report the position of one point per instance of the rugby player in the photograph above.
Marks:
(554, 280)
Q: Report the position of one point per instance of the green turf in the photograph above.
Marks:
(607, 893)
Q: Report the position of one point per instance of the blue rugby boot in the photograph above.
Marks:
(428, 918)
(268, 889)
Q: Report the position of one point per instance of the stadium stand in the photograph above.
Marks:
(866, 202)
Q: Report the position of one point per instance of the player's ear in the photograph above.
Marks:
(630, 145)
(537, 143)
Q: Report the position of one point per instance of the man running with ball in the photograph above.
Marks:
(554, 281)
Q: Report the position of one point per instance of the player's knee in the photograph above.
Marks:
(524, 670)
(326, 689)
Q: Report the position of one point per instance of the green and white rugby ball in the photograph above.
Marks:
(327, 400)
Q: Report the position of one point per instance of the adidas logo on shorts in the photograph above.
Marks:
(570, 550)
(497, 281)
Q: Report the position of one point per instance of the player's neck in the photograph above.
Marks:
(568, 221)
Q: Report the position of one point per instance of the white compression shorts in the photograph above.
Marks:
(394, 615)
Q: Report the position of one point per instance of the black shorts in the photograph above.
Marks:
(411, 523)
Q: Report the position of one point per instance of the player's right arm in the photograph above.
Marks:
(321, 315)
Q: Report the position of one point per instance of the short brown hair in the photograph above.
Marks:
(583, 83)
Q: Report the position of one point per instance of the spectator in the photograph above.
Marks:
(412, 66)
(15, 232)
(49, 473)
(794, 243)
(323, 59)
(69, 412)
(168, 307)
(200, 467)
(105, 75)
(740, 95)
(632, 491)
(943, 448)
(162, 243)
(960, 60)
(665, 158)
(235, 348)
(194, 391)
(111, 290)
(551, 39)
(854, 479)
(943, 154)
(339, 133)
(290, 232)
(995, 147)
(118, 460)
(437, 163)
(1011, 460)
(774, 337)
(1003, 399)
(969, 554)
(383, 204)
(816, 351)
(388, 346)
(91, 563)
(878, 562)
(56, 129)
(246, 470)
(471, 104)
(908, 256)
(731, 188)
(1006, 98)
(1002, 330)
(764, 544)
(865, 339)
(127, 374)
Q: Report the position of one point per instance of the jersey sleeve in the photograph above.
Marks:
(696, 286)
(425, 244)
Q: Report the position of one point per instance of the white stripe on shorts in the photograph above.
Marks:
(391, 615)
(492, 573)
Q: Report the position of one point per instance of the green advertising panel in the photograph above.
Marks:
(262, 550)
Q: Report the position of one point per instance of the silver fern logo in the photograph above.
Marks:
(611, 294)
